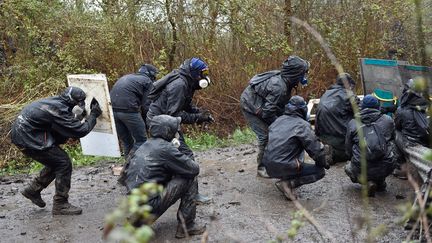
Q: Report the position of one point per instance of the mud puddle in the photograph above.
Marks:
(244, 209)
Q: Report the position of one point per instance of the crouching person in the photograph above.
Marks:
(378, 132)
(289, 136)
(159, 160)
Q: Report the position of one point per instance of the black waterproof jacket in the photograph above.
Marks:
(333, 114)
(175, 98)
(289, 136)
(48, 122)
(411, 118)
(158, 160)
(269, 92)
(385, 127)
(129, 93)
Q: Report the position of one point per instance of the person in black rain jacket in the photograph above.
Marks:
(39, 130)
(265, 97)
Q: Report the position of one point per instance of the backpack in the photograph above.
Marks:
(376, 145)
(159, 85)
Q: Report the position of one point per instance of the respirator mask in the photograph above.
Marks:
(204, 82)
(304, 81)
(176, 140)
(79, 110)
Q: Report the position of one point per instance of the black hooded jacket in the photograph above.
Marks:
(289, 136)
(129, 93)
(411, 118)
(269, 92)
(158, 160)
(385, 126)
(175, 97)
(48, 122)
(333, 114)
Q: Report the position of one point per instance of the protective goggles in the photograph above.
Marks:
(205, 72)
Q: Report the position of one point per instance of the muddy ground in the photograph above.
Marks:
(245, 208)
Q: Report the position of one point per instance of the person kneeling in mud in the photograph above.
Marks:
(378, 132)
(159, 160)
(289, 136)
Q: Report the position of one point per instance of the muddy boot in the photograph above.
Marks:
(286, 189)
(262, 172)
(191, 230)
(401, 174)
(372, 188)
(202, 199)
(65, 208)
(34, 196)
(350, 173)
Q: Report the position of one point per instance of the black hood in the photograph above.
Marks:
(148, 70)
(73, 95)
(414, 100)
(164, 126)
(185, 71)
(340, 79)
(293, 70)
(369, 115)
(297, 107)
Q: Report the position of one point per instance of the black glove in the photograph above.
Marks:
(326, 158)
(204, 117)
(95, 108)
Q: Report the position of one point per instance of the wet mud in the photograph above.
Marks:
(245, 208)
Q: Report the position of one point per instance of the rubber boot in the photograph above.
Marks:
(34, 196)
(202, 199)
(286, 189)
(372, 188)
(349, 172)
(65, 208)
(261, 170)
(191, 230)
(401, 173)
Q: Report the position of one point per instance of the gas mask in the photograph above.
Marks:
(304, 81)
(79, 110)
(175, 141)
(204, 82)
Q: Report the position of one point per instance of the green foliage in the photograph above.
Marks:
(132, 211)
(27, 166)
(296, 223)
(203, 141)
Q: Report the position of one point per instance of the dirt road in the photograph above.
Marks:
(245, 208)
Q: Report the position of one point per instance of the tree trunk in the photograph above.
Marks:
(287, 21)
(174, 40)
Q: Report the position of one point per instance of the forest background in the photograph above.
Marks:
(42, 41)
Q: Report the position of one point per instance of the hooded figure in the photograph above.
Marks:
(289, 136)
(411, 118)
(265, 97)
(158, 160)
(333, 114)
(378, 132)
(130, 106)
(172, 95)
(39, 130)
